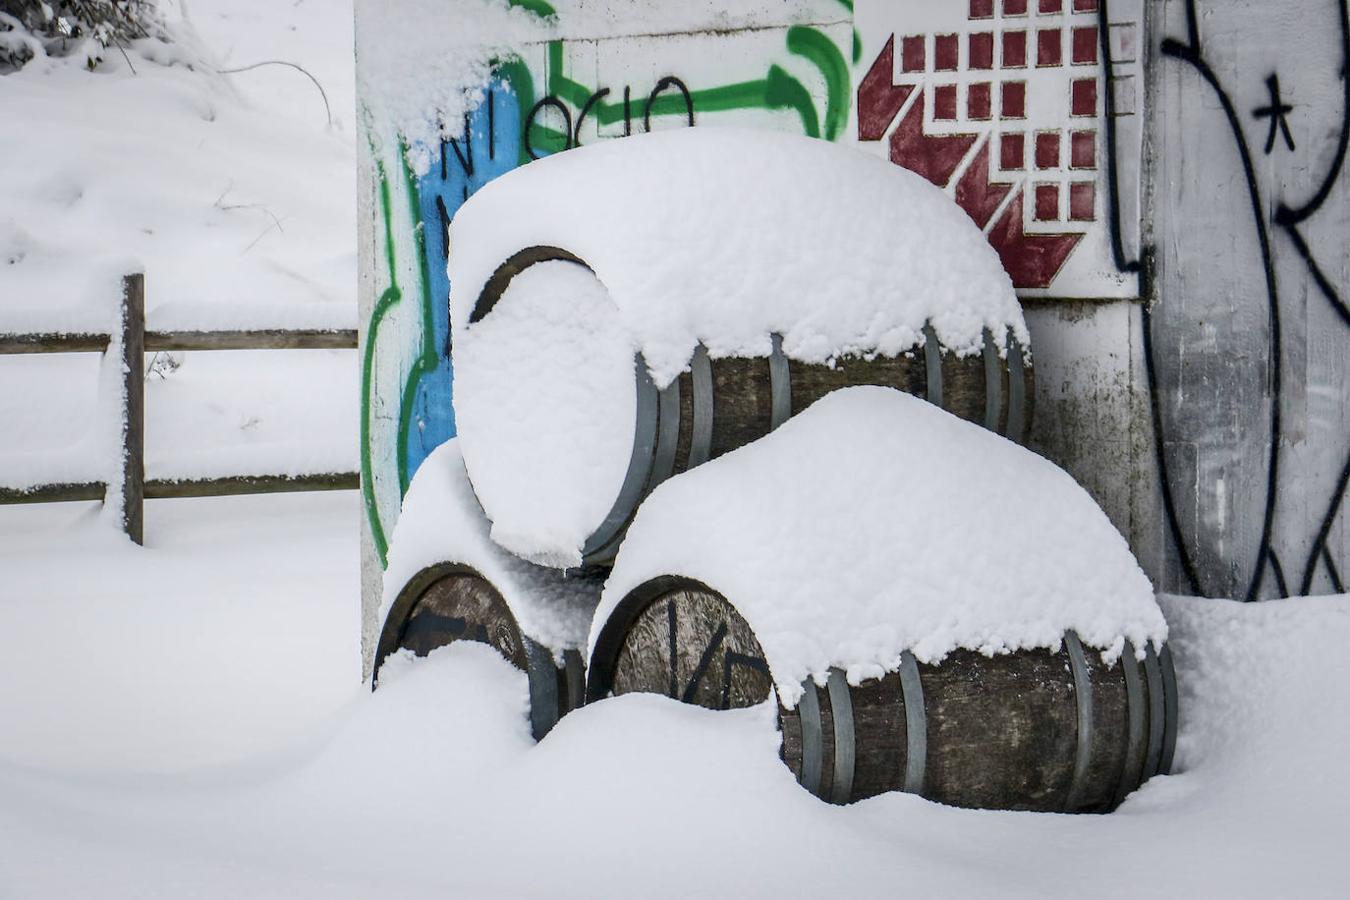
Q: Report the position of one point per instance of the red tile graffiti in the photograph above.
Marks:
(935, 158)
(879, 98)
(981, 50)
(938, 129)
(974, 192)
(1032, 260)
(1049, 43)
(1085, 46)
(979, 105)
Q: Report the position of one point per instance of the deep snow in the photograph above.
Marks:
(167, 737)
(187, 720)
(441, 522)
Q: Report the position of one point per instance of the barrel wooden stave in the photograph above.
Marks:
(451, 602)
(742, 393)
(717, 662)
(1001, 731)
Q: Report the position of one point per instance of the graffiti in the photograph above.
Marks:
(963, 118)
(1276, 111)
(570, 135)
(1191, 51)
(509, 128)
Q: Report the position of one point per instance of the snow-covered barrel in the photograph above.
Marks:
(447, 582)
(628, 310)
(937, 611)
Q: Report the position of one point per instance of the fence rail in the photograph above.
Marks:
(135, 341)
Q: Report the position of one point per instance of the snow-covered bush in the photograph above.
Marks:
(82, 29)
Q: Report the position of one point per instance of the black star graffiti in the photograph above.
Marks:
(1276, 112)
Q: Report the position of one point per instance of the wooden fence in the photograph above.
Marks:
(135, 340)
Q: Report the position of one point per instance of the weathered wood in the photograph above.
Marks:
(53, 493)
(451, 602)
(700, 648)
(266, 339)
(53, 342)
(236, 485)
(455, 605)
(1001, 731)
(133, 406)
(740, 400)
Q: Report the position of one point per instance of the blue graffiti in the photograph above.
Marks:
(489, 146)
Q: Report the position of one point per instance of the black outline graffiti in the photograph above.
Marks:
(1144, 267)
(554, 102)
(1288, 219)
(668, 81)
(1192, 54)
(1277, 111)
(573, 130)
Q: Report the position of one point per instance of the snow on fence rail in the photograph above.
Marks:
(135, 489)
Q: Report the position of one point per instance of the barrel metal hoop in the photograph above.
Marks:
(916, 724)
(1082, 690)
(700, 444)
(993, 383)
(1017, 392)
(598, 547)
(808, 712)
(841, 709)
(1171, 720)
(575, 672)
(1131, 769)
(932, 357)
(542, 673)
(667, 434)
(500, 280)
(780, 385)
(1156, 711)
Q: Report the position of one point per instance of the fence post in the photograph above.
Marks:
(133, 409)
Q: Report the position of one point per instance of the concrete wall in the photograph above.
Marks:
(1166, 253)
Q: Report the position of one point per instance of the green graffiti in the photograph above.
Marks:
(428, 357)
(538, 7)
(388, 299)
(778, 90)
(820, 50)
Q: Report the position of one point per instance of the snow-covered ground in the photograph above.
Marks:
(186, 719)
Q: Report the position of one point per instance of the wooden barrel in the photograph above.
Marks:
(722, 404)
(453, 602)
(1032, 730)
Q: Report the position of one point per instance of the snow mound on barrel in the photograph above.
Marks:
(442, 522)
(545, 402)
(727, 236)
(874, 523)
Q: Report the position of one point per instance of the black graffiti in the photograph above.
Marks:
(1277, 111)
(462, 147)
(571, 130)
(1190, 52)
(427, 631)
(734, 659)
(730, 661)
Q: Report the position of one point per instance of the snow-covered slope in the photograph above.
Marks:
(235, 196)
